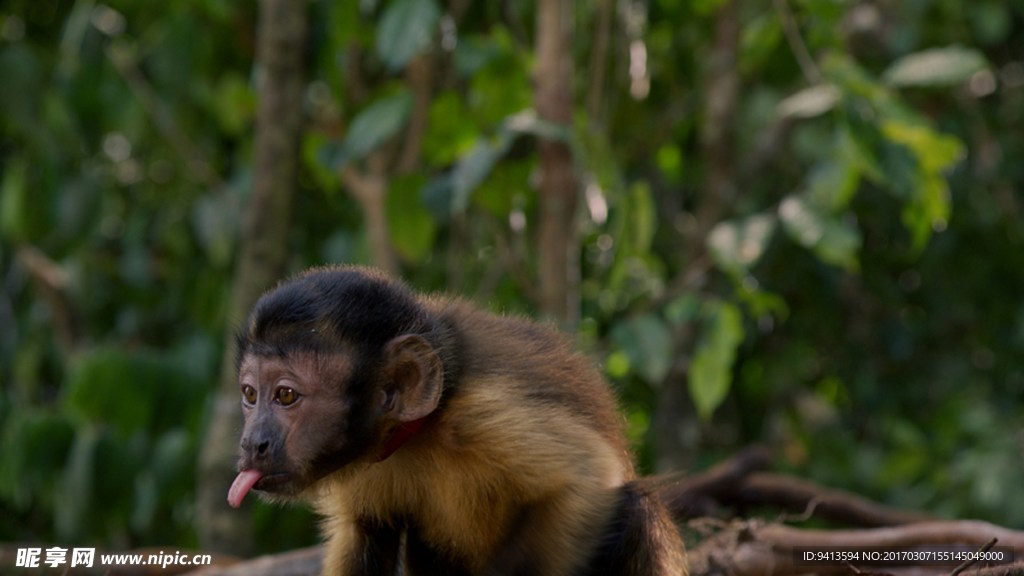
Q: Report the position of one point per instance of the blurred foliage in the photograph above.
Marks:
(861, 309)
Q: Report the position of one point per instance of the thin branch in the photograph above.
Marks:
(197, 166)
(852, 568)
(52, 281)
(419, 75)
(599, 62)
(511, 255)
(557, 234)
(369, 187)
(355, 84)
(511, 17)
(974, 558)
(766, 489)
(796, 42)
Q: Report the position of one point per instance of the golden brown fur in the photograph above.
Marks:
(520, 467)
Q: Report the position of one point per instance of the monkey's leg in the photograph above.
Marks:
(422, 559)
(640, 541)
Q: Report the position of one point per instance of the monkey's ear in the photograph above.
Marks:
(416, 377)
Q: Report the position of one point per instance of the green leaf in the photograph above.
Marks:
(502, 86)
(528, 122)
(852, 81)
(809, 102)
(992, 22)
(15, 201)
(616, 365)
(503, 190)
(711, 368)
(169, 459)
(105, 386)
(33, 448)
(19, 66)
(641, 219)
(831, 184)
(146, 498)
(215, 218)
(75, 495)
(736, 245)
(375, 124)
(438, 197)
(597, 159)
(405, 30)
(760, 37)
(683, 308)
(928, 208)
(117, 463)
(832, 239)
(638, 422)
(79, 206)
(707, 7)
(411, 225)
(449, 135)
(472, 53)
(320, 153)
(928, 211)
(234, 104)
(935, 151)
(647, 343)
(473, 168)
(935, 67)
(172, 456)
(132, 391)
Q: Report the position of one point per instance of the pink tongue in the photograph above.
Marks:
(241, 486)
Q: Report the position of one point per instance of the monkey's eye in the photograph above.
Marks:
(286, 396)
(249, 394)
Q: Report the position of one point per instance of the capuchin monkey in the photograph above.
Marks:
(436, 438)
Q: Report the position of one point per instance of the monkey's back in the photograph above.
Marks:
(538, 365)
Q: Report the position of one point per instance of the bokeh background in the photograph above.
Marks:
(795, 223)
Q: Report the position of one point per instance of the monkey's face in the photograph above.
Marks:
(308, 415)
(302, 422)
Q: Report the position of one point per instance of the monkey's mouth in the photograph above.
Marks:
(273, 483)
(252, 479)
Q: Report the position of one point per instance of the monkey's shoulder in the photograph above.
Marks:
(513, 346)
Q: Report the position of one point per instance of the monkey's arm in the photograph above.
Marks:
(557, 474)
(360, 548)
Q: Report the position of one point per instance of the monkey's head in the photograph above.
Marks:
(334, 368)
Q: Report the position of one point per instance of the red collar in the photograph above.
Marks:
(400, 435)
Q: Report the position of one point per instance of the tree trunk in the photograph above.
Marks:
(556, 235)
(370, 189)
(261, 261)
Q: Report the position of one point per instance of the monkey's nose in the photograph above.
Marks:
(262, 448)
